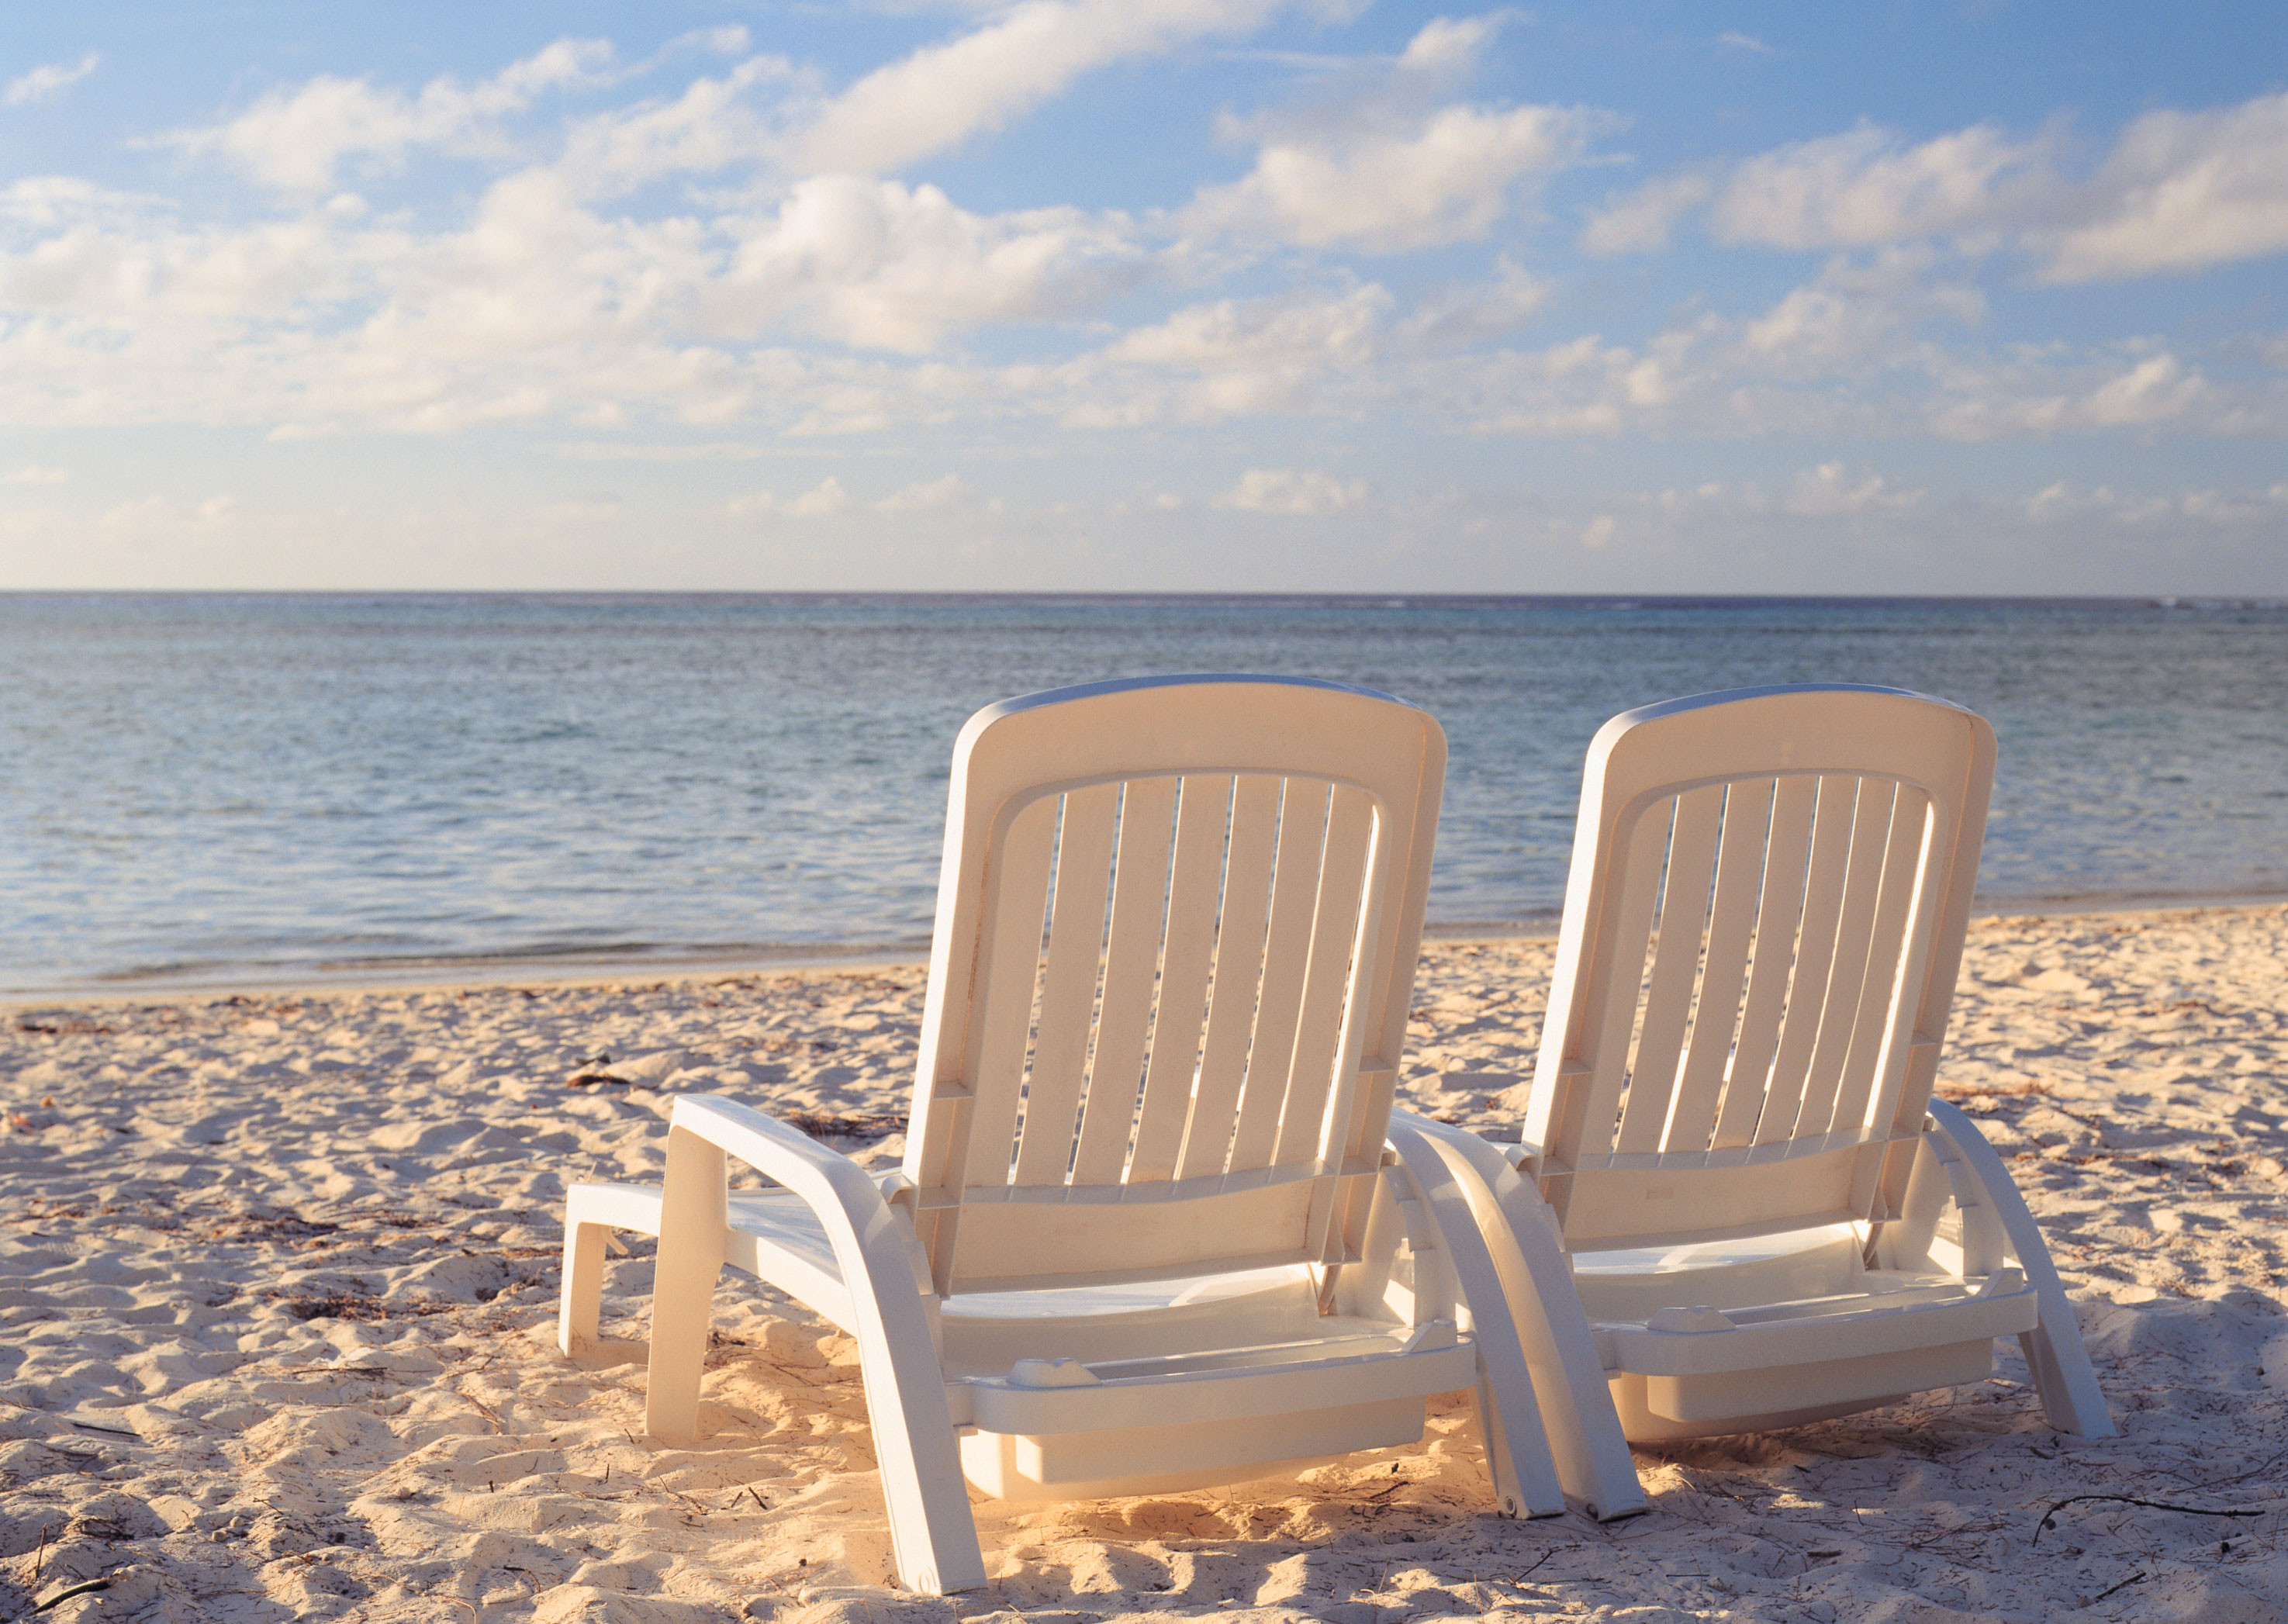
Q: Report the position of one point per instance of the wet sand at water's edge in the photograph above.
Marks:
(278, 1277)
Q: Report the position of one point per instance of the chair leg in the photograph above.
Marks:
(1593, 1453)
(1501, 1461)
(933, 1531)
(1518, 1458)
(581, 1303)
(693, 1218)
(2071, 1400)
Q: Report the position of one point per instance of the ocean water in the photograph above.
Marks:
(275, 789)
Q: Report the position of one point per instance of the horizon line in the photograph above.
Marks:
(1392, 598)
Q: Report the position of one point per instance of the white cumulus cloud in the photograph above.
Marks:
(1300, 329)
(881, 265)
(1830, 492)
(2178, 191)
(2062, 503)
(1479, 311)
(2006, 401)
(563, 284)
(715, 123)
(822, 501)
(1868, 187)
(295, 140)
(1302, 351)
(2182, 190)
(1854, 308)
(930, 496)
(1384, 173)
(1300, 493)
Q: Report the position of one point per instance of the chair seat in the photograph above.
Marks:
(1686, 1372)
(773, 1236)
(1146, 1353)
(1893, 1313)
(1349, 1364)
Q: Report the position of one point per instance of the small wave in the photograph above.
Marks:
(504, 966)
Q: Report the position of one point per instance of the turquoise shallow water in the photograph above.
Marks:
(210, 788)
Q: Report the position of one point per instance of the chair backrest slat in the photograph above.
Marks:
(1779, 915)
(1768, 889)
(1836, 1002)
(1248, 871)
(1172, 915)
(1286, 962)
(1631, 925)
(1731, 930)
(1675, 964)
(1921, 969)
(1132, 962)
(1006, 1000)
(1335, 928)
(1194, 896)
(1070, 974)
(1828, 870)
(1889, 983)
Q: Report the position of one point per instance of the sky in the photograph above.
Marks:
(1307, 295)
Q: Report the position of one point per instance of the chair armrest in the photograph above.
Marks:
(857, 1216)
(1491, 1160)
(771, 1147)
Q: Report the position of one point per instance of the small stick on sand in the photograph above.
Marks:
(2050, 1517)
(91, 1586)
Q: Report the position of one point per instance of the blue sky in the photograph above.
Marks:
(1126, 295)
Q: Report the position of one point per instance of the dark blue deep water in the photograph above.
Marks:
(210, 788)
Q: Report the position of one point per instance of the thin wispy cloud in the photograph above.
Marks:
(1639, 220)
(48, 80)
(979, 82)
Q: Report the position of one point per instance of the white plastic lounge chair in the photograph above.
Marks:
(1147, 1236)
(1771, 1220)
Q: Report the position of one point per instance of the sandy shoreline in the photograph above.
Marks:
(277, 1279)
(582, 969)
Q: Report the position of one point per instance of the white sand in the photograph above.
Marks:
(278, 1276)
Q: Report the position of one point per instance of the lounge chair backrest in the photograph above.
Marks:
(1762, 927)
(1176, 932)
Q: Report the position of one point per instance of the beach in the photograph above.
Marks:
(278, 1276)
